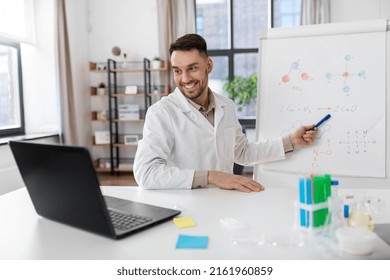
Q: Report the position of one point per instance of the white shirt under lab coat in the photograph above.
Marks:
(178, 139)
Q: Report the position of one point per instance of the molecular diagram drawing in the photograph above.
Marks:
(316, 154)
(357, 142)
(303, 76)
(346, 75)
(327, 151)
(296, 124)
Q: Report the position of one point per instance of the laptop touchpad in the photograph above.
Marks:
(113, 202)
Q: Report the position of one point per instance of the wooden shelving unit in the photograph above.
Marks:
(119, 159)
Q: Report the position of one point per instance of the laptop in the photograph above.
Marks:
(63, 186)
(383, 231)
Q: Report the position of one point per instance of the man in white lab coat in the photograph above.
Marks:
(192, 138)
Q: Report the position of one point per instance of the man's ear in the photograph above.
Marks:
(209, 65)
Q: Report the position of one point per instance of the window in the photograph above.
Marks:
(231, 29)
(286, 13)
(11, 90)
(16, 26)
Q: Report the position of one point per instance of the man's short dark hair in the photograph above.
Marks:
(189, 42)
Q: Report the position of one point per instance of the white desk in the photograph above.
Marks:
(25, 235)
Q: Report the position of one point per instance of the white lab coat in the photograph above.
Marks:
(178, 139)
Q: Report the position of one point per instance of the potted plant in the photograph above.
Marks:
(101, 90)
(124, 63)
(156, 62)
(243, 90)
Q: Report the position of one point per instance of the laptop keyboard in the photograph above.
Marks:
(127, 221)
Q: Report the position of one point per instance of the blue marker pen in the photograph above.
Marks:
(321, 121)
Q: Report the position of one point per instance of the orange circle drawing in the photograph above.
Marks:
(305, 76)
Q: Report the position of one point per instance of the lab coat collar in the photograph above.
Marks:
(186, 107)
(181, 100)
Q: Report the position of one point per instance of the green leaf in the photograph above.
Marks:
(241, 89)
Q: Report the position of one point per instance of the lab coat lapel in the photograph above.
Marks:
(219, 110)
(190, 110)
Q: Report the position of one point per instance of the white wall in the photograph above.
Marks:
(130, 25)
(352, 10)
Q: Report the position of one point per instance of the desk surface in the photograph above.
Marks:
(270, 214)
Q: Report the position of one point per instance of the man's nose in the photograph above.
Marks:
(186, 77)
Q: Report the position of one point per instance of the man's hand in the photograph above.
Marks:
(233, 182)
(303, 136)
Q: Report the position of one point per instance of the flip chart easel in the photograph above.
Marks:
(340, 69)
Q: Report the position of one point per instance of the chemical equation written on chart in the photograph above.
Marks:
(309, 109)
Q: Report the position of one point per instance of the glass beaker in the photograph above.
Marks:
(360, 215)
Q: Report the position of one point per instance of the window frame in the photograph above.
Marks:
(20, 130)
(231, 51)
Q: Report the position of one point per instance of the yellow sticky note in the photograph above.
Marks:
(183, 222)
